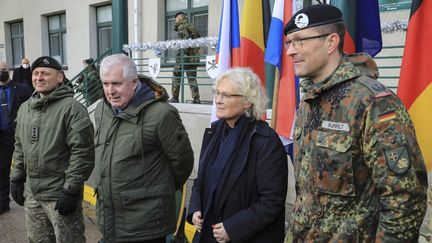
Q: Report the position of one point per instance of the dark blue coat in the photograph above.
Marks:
(251, 204)
(19, 94)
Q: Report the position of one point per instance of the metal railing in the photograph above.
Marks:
(388, 61)
(166, 76)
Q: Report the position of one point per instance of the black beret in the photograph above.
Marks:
(178, 13)
(311, 16)
(89, 61)
(46, 62)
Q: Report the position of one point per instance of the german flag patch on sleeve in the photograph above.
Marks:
(387, 116)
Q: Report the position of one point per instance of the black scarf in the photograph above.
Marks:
(222, 153)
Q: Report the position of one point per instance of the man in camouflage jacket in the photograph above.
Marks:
(190, 58)
(360, 175)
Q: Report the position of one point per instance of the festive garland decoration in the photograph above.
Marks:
(387, 28)
(172, 44)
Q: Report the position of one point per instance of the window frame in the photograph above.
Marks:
(62, 33)
(102, 25)
(20, 37)
(190, 13)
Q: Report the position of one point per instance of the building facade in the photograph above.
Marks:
(72, 31)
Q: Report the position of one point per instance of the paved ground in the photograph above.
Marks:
(13, 230)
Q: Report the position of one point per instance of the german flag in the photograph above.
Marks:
(415, 83)
(387, 116)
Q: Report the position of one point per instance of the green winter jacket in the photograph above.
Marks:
(54, 144)
(143, 155)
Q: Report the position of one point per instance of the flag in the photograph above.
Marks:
(286, 84)
(273, 52)
(228, 48)
(252, 37)
(415, 83)
(361, 17)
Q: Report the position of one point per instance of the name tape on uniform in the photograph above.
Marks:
(335, 126)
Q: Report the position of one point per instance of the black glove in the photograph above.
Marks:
(17, 191)
(67, 203)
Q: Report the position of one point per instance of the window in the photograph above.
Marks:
(104, 28)
(197, 13)
(57, 37)
(17, 40)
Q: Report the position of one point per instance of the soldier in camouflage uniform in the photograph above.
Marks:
(360, 175)
(185, 30)
(89, 83)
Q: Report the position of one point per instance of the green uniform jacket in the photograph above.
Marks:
(54, 144)
(186, 30)
(89, 84)
(143, 155)
(360, 175)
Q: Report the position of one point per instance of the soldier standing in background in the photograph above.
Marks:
(89, 83)
(185, 30)
(360, 175)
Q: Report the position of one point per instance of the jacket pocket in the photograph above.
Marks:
(155, 191)
(146, 208)
(334, 160)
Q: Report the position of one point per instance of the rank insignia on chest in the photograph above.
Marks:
(34, 133)
(398, 160)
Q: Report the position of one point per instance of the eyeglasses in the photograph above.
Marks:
(223, 95)
(298, 43)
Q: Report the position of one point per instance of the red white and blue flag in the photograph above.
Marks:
(228, 48)
(285, 98)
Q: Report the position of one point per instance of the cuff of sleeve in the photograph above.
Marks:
(74, 189)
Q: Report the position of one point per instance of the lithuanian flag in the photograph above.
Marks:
(415, 83)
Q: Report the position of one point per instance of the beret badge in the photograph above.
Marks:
(301, 20)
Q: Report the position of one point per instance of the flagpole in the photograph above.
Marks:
(275, 102)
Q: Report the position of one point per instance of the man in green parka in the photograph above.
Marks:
(143, 155)
(54, 155)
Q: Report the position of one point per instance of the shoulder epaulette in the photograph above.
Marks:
(377, 88)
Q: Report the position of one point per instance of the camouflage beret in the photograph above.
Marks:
(46, 62)
(312, 16)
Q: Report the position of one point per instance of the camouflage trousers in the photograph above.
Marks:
(44, 224)
(191, 71)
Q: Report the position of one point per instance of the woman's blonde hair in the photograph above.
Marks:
(248, 84)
